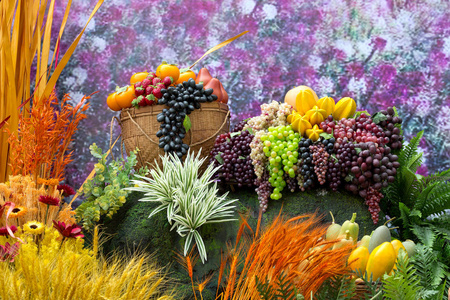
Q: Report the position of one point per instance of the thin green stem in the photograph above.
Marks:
(46, 214)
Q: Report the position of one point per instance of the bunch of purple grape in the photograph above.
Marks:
(232, 152)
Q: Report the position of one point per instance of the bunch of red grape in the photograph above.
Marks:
(320, 161)
(232, 152)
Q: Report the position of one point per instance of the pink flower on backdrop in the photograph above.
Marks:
(378, 43)
(355, 69)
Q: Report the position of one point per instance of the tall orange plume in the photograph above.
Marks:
(293, 248)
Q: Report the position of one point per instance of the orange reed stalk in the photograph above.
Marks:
(293, 248)
(188, 263)
(40, 148)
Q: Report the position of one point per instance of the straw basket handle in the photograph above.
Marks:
(111, 137)
(195, 144)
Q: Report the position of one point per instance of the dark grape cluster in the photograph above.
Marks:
(232, 152)
(391, 128)
(291, 183)
(181, 100)
(239, 126)
(264, 189)
(320, 161)
(307, 164)
(373, 169)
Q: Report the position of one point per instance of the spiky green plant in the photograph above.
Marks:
(432, 261)
(189, 200)
(418, 200)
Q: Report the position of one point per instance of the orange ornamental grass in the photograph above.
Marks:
(40, 147)
(294, 249)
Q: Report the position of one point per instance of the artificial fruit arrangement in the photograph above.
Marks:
(147, 88)
(309, 111)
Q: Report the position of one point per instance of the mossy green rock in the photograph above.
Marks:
(131, 228)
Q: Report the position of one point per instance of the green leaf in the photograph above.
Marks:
(219, 158)
(379, 117)
(250, 130)
(358, 113)
(187, 123)
(349, 178)
(233, 134)
(242, 157)
(395, 111)
(334, 157)
(358, 150)
(326, 136)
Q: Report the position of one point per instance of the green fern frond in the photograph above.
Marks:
(403, 284)
(286, 290)
(347, 289)
(422, 199)
(429, 270)
(425, 234)
(438, 200)
(415, 162)
(264, 289)
(442, 176)
(409, 151)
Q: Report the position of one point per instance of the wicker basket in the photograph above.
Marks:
(139, 127)
(361, 289)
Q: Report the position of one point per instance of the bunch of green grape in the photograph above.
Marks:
(281, 148)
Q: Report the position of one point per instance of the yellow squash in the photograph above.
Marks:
(345, 108)
(358, 259)
(381, 261)
(302, 98)
(328, 104)
(397, 246)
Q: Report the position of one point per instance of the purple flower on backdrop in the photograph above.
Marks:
(379, 52)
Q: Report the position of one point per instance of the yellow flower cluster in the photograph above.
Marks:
(24, 193)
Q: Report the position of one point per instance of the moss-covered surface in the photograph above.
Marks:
(131, 229)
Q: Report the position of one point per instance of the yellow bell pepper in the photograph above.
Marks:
(381, 261)
(358, 259)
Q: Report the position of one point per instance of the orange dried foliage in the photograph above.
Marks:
(294, 248)
(40, 148)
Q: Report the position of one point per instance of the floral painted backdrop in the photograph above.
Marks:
(381, 53)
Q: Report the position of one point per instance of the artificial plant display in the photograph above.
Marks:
(105, 193)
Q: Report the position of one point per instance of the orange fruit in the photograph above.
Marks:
(170, 70)
(125, 96)
(136, 77)
(112, 103)
(185, 74)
